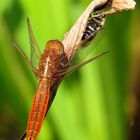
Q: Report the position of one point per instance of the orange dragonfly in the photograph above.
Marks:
(52, 67)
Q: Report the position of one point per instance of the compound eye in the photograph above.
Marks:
(49, 44)
(59, 47)
(61, 51)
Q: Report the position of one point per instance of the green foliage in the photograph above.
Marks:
(90, 103)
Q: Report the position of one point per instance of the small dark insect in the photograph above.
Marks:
(94, 24)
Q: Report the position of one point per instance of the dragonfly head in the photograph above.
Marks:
(54, 48)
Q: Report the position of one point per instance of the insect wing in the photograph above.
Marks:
(86, 62)
(93, 48)
(34, 69)
(82, 53)
(35, 52)
(77, 66)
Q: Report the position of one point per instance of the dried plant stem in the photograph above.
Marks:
(72, 39)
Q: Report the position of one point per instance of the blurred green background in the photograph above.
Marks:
(98, 102)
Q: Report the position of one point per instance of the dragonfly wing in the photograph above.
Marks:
(73, 68)
(34, 49)
(34, 69)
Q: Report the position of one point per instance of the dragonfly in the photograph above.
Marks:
(50, 67)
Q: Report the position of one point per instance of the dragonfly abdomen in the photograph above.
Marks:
(38, 110)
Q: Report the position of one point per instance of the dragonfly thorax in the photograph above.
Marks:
(52, 59)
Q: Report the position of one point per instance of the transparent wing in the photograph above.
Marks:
(34, 49)
(75, 67)
(34, 69)
(82, 53)
(93, 48)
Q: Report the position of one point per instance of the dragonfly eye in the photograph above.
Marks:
(56, 45)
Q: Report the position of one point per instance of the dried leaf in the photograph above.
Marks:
(119, 5)
(73, 37)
